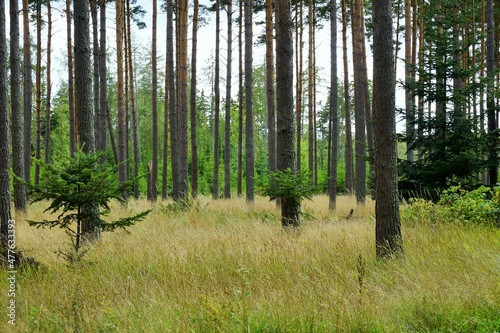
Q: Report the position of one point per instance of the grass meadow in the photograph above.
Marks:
(223, 266)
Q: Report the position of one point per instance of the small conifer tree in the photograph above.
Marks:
(80, 190)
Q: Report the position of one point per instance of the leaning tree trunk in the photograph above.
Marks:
(16, 115)
(290, 207)
(388, 224)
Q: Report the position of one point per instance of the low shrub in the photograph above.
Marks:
(457, 205)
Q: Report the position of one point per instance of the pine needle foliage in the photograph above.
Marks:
(80, 190)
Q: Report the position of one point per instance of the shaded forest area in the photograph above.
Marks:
(145, 109)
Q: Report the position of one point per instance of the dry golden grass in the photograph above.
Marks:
(224, 266)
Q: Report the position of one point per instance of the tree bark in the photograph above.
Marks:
(83, 93)
(5, 213)
(71, 93)
(239, 180)
(215, 183)
(227, 132)
(49, 83)
(183, 100)
(99, 128)
(38, 74)
(491, 109)
(16, 115)
(270, 93)
(193, 117)
(103, 96)
(388, 224)
(154, 101)
(409, 99)
(121, 135)
(299, 52)
(174, 150)
(332, 195)
(290, 207)
(130, 105)
(27, 92)
(349, 167)
(359, 102)
(249, 130)
(310, 92)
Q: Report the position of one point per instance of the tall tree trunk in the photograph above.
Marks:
(298, 116)
(193, 118)
(103, 96)
(409, 99)
(131, 98)
(183, 100)
(27, 92)
(239, 180)
(388, 224)
(227, 132)
(490, 95)
(121, 140)
(154, 97)
(290, 207)
(49, 83)
(367, 107)
(100, 132)
(359, 102)
(174, 148)
(310, 91)
(83, 93)
(5, 213)
(164, 175)
(215, 183)
(271, 109)
(17, 119)
(71, 93)
(249, 130)
(332, 195)
(349, 167)
(38, 75)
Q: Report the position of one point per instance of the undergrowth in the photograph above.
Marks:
(223, 266)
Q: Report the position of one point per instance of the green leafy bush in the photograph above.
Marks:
(480, 206)
(457, 205)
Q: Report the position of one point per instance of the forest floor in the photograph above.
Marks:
(223, 266)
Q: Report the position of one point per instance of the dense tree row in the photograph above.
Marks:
(149, 103)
